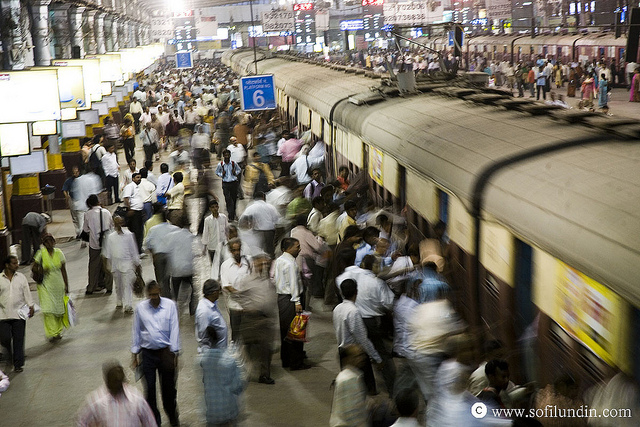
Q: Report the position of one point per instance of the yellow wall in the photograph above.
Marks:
(460, 225)
(354, 150)
(328, 139)
(497, 253)
(303, 115)
(422, 196)
(544, 271)
(316, 123)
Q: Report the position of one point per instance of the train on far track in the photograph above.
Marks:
(542, 204)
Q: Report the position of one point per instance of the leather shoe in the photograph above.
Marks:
(20, 369)
(266, 380)
(301, 367)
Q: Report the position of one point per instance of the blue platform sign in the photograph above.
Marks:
(184, 60)
(452, 42)
(258, 93)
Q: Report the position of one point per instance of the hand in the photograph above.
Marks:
(134, 361)
(298, 308)
(31, 311)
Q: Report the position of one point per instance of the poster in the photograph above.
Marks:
(206, 23)
(277, 21)
(498, 9)
(414, 13)
(375, 165)
(591, 312)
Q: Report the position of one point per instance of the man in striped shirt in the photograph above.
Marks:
(116, 403)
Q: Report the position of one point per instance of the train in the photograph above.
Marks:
(522, 47)
(542, 205)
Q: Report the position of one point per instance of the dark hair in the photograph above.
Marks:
(226, 151)
(348, 255)
(382, 219)
(351, 231)
(317, 201)
(8, 259)
(493, 365)
(287, 243)
(213, 202)
(350, 204)
(164, 168)
(407, 402)
(92, 201)
(133, 175)
(370, 232)
(327, 189)
(177, 177)
(152, 284)
(343, 168)
(349, 288)
(259, 195)
(143, 172)
(492, 345)
(368, 261)
(148, 164)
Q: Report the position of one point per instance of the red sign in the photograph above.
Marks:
(185, 14)
(372, 2)
(302, 6)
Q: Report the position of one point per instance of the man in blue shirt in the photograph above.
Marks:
(367, 247)
(208, 315)
(156, 336)
(229, 171)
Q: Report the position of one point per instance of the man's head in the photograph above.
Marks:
(114, 377)
(291, 246)
(147, 125)
(497, 371)
(178, 177)
(153, 293)
(343, 172)
(75, 172)
(316, 175)
(226, 155)
(370, 235)
(349, 289)
(368, 262)
(211, 289)
(111, 148)
(351, 208)
(214, 208)
(318, 203)
(235, 249)
(352, 234)
(164, 168)
(407, 402)
(107, 120)
(11, 263)
(93, 201)
(136, 178)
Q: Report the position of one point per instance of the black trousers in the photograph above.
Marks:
(98, 275)
(544, 92)
(367, 372)
(162, 361)
(12, 338)
(136, 121)
(112, 183)
(161, 270)
(148, 152)
(230, 191)
(30, 240)
(291, 352)
(235, 320)
(187, 280)
(376, 333)
(136, 226)
(256, 333)
(129, 149)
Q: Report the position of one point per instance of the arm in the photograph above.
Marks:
(219, 170)
(175, 331)
(28, 299)
(135, 337)
(359, 331)
(63, 269)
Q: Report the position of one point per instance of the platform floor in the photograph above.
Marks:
(57, 377)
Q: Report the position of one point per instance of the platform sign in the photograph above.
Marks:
(278, 20)
(184, 60)
(258, 93)
(452, 38)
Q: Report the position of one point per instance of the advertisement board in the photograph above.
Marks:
(278, 20)
(14, 139)
(73, 92)
(206, 23)
(35, 162)
(413, 14)
(19, 91)
(375, 164)
(498, 9)
(110, 67)
(90, 74)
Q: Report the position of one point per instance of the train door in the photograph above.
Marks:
(601, 53)
(525, 311)
(559, 53)
(635, 350)
(620, 55)
(545, 51)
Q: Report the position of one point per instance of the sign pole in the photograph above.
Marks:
(253, 25)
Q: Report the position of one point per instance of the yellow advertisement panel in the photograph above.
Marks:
(73, 91)
(90, 74)
(592, 313)
(375, 164)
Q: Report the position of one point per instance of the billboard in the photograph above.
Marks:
(413, 14)
(277, 21)
(71, 87)
(90, 74)
(19, 89)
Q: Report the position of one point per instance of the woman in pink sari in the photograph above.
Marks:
(588, 90)
(634, 93)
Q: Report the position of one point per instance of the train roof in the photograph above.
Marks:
(581, 205)
(591, 39)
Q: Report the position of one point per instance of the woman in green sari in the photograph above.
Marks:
(54, 286)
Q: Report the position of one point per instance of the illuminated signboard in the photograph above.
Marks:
(302, 7)
(352, 25)
(373, 18)
(305, 23)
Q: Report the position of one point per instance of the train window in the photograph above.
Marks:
(523, 286)
(443, 206)
(402, 184)
(545, 50)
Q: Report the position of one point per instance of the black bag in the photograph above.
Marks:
(84, 236)
(37, 272)
(94, 162)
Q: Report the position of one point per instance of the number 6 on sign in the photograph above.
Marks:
(258, 93)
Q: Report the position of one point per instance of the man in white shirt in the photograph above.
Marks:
(150, 141)
(179, 158)
(238, 153)
(315, 216)
(181, 264)
(145, 117)
(163, 116)
(200, 142)
(14, 296)
(135, 108)
(121, 251)
(373, 301)
(134, 202)
(165, 183)
(288, 283)
(232, 273)
(111, 171)
(302, 166)
(148, 195)
(265, 218)
(158, 243)
(214, 235)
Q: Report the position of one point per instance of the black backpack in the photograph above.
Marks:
(94, 162)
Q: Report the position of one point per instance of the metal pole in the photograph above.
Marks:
(255, 54)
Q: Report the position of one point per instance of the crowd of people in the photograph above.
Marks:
(303, 236)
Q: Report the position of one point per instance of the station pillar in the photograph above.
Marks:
(40, 32)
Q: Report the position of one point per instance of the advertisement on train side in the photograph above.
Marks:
(592, 313)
